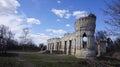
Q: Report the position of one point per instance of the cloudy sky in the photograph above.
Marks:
(48, 18)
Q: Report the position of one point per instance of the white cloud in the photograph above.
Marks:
(40, 38)
(37, 38)
(8, 7)
(14, 22)
(67, 25)
(61, 13)
(79, 14)
(58, 20)
(58, 2)
(9, 16)
(67, 16)
(59, 31)
(33, 21)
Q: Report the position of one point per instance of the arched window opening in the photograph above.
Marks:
(85, 38)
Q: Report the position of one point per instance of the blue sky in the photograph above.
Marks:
(48, 18)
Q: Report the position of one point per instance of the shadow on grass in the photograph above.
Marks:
(8, 54)
(107, 59)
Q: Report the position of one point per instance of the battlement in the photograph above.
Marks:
(89, 18)
(86, 22)
(92, 15)
(53, 39)
(67, 34)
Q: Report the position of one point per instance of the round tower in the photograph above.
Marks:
(84, 29)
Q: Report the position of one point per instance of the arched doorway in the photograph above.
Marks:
(84, 40)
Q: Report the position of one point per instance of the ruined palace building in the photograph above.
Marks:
(74, 44)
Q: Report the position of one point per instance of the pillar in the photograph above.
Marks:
(78, 43)
(60, 46)
(55, 45)
(81, 42)
(88, 42)
(51, 48)
(67, 47)
(48, 47)
(73, 47)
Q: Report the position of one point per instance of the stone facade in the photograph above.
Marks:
(73, 44)
(101, 47)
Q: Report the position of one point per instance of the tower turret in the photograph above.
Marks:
(85, 28)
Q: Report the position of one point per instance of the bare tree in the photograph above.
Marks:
(100, 35)
(113, 13)
(25, 36)
(3, 31)
(30, 41)
(10, 35)
(26, 40)
(3, 36)
(117, 43)
(41, 46)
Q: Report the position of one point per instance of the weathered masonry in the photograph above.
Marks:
(74, 44)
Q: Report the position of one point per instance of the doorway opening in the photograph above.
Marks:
(84, 40)
(65, 47)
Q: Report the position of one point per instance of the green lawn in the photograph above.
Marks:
(50, 60)
(35, 59)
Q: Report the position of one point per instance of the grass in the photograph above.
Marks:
(50, 60)
(10, 62)
(48, 57)
(35, 59)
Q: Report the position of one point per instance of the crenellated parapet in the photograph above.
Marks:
(53, 40)
(86, 23)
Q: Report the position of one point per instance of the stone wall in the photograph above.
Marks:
(101, 47)
(72, 44)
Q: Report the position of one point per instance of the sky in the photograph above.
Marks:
(48, 18)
